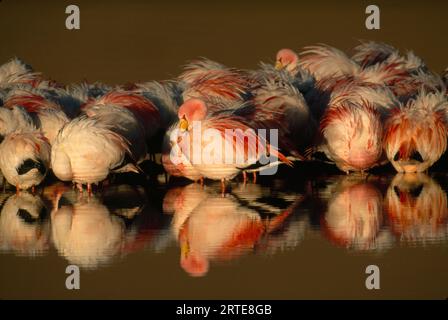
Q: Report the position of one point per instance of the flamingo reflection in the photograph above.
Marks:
(210, 227)
(24, 227)
(417, 207)
(89, 233)
(354, 215)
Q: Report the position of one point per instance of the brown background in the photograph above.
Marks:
(143, 40)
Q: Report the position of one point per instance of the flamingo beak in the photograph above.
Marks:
(279, 65)
(183, 124)
(184, 249)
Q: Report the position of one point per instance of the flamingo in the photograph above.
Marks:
(354, 215)
(208, 148)
(352, 134)
(144, 110)
(400, 74)
(25, 159)
(205, 78)
(174, 161)
(417, 207)
(16, 71)
(279, 105)
(48, 116)
(416, 133)
(369, 53)
(24, 225)
(15, 119)
(166, 96)
(122, 122)
(86, 150)
(288, 60)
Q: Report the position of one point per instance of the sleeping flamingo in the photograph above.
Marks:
(86, 150)
(398, 73)
(279, 105)
(15, 119)
(48, 116)
(352, 134)
(143, 109)
(205, 78)
(124, 123)
(416, 133)
(25, 159)
(16, 71)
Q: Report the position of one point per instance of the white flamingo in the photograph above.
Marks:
(25, 159)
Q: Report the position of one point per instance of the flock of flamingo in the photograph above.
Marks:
(362, 111)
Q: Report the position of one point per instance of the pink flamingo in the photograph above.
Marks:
(143, 109)
(416, 133)
(352, 135)
(205, 78)
(220, 133)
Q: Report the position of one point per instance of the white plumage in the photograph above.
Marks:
(24, 159)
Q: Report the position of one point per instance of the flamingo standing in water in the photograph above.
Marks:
(224, 145)
(25, 159)
(416, 133)
(86, 150)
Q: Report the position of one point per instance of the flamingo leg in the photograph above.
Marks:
(201, 180)
(223, 187)
(89, 189)
(254, 177)
(244, 177)
(79, 186)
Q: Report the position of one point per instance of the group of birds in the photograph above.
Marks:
(361, 111)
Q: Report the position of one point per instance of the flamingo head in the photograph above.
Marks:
(286, 59)
(191, 110)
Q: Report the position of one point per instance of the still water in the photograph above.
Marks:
(291, 236)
